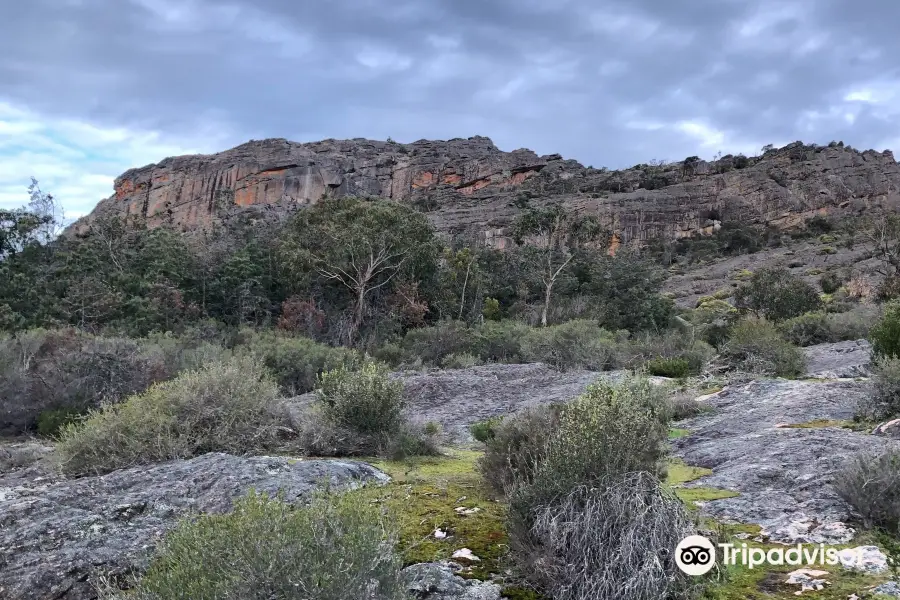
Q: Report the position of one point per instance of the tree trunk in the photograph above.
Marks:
(462, 298)
(549, 288)
(358, 313)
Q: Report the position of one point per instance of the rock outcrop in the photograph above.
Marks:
(470, 186)
(778, 444)
(839, 360)
(56, 535)
(457, 398)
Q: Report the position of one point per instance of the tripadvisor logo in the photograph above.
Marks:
(696, 555)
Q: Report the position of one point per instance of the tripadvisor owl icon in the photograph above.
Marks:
(695, 555)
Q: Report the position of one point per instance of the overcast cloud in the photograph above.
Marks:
(90, 88)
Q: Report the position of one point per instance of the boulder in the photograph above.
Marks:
(437, 581)
(889, 429)
(55, 535)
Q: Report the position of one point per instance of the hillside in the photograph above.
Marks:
(469, 186)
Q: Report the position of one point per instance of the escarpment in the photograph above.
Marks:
(469, 186)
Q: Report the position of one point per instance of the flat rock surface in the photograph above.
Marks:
(839, 360)
(55, 534)
(457, 398)
(783, 474)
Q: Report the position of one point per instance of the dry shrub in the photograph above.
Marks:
(859, 287)
(884, 400)
(870, 483)
(615, 540)
(591, 517)
(69, 371)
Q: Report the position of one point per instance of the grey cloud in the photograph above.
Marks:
(566, 76)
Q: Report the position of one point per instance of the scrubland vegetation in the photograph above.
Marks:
(127, 346)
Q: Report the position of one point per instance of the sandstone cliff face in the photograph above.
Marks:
(470, 186)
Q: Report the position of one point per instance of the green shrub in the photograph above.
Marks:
(755, 346)
(515, 445)
(870, 483)
(366, 401)
(884, 401)
(669, 345)
(579, 344)
(337, 547)
(227, 406)
(830, 283)
(603, 439)
(501, 341)
(53, 420)
(611, 429)
(432, 344)
(295, 362)
(712, 320)
(885, 334)
(806, 330)
(486, 430)
(820, 328)
(463, 360)
(777, 295)
(669, 367)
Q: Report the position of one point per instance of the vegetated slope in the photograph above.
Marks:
(469, 186)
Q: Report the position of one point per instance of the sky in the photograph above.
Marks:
(91, 88)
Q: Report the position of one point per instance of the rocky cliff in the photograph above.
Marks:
(470, 186)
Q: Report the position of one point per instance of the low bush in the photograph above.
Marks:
(366, 400)
(601, 460)
(630, 518)
(462, 360)
(580, 344)
(227, 406)
(52, 421)
(870, 483)
(486, 430)
(820, 327)
(501, 341)
(667, 346)
(432, 344)
(885, 334)
(684, 406)
(336, 547)
(712, 320)
(515, 445)
(669, 367)
(777, 294)
(295, 362)
(755, 346)
(884, 401)
(830, 282)
(806, 330)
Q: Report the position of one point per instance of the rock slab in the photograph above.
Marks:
(839, 360)
(54, 535)
(457, 398)
(783, 473)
